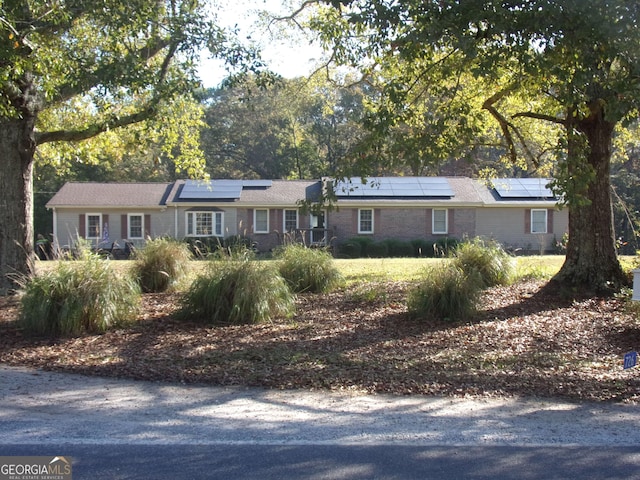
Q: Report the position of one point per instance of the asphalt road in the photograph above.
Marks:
(120, 429)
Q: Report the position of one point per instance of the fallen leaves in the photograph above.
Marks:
(524, 341)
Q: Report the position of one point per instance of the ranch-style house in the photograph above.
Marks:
(519, 213)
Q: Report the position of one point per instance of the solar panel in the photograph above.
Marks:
(213, 190)
(394, 187)
(522, 187)
(257, 183)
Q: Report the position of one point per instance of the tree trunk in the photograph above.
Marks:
(17, 257)
(591, 263)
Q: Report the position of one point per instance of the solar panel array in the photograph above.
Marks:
(394, 187)
(218, 189)
(522, 187)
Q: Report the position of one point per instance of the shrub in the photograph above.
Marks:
(376, 250)
(308, 269)
(446, 293)
(495, 266)
(399, 248)
(237, 292)
(76, 297)
(445, 247)
(350, 249)
(422, 248)
(161, 264)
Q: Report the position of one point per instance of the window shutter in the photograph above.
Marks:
(124, 226)
(82, 225)
(429, 221)
(354, 220)
(147, 225)
(377, 223)
(527, 220)
(105, 221)
(550, 221)
(450, 224)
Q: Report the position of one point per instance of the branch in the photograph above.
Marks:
(505, 125)
(541, 116)
(113, 122)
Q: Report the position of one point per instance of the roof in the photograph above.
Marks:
(90, 194)
(459, 191)
(264, 193)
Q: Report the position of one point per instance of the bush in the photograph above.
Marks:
(308, 269)
(376, 250)
(399, 248)
(495, 266)
(161, 264)
(237, 292)
(446, 293)
(76, 297)
(422, 248)
(445, 247)
(350, 249)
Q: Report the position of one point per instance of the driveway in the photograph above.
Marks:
(80, 415)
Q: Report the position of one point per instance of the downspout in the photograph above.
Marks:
(175, 226)
(54, 240)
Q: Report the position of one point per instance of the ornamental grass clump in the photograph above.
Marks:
(161, 264)
(445, 293)
(488, 259)
(78, 297)
(237, 292)
(308, 269)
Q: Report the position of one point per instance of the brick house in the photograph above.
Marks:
(519, 213)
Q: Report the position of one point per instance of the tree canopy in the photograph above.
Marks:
(73, 69)
(573, 63)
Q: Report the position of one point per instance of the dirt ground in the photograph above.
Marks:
(525, 341)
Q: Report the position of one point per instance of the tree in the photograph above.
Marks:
(287, 128)
(578, 58)
(100, 65)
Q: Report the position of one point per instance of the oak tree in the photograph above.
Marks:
(578, 58)
(100, 65)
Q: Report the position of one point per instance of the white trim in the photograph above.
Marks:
(214, 222)
(546, 220)
(255, 220)
(128, 232)
(86, 226)
(284, 218)
(360, 230)
(433, 221)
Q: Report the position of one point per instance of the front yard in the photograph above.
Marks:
(525, 341)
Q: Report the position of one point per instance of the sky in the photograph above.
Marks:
(290, 58)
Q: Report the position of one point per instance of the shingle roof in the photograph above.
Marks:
(86, 194)
(281, 192)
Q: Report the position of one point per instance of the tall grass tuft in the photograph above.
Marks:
(489, 259)
(237, 292)
(308, 269)
(445, 292)
(76, 297)
(161, 264)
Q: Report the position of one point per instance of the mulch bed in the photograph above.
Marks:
(526, 340)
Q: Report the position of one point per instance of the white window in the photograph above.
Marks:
(261, 221)
(205, 224)
(135, 228)
(439, 220)
(290, 220)
(94, 226)
(538, 221)
(365, 220)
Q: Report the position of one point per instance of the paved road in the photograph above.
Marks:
(124, 429)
